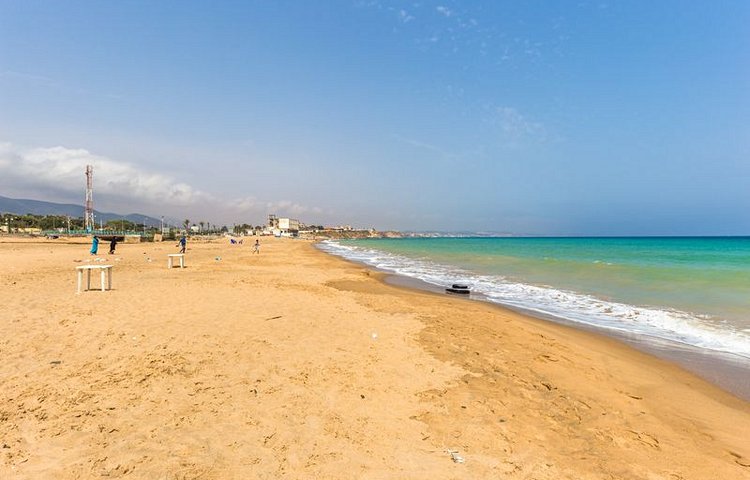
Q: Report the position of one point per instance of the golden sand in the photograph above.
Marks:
(295, 364)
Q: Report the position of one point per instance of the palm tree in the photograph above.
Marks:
(187, 225)
(201, 223)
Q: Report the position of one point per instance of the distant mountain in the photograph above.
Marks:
(22, 206)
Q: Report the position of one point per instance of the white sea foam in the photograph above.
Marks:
(697, 330)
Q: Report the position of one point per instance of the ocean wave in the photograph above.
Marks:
(668, 324)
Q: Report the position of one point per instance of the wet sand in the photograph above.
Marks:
(730, 372)
(296, 364)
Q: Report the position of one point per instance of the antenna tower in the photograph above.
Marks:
(89, 208)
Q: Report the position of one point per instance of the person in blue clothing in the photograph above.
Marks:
(94, 245)
(182, 244)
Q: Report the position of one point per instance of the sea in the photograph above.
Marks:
(691, 291)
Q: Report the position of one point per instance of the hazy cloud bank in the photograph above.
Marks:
(58, 174)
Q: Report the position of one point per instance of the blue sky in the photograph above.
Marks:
(568, 118)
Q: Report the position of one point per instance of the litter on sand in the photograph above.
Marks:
(455, 456)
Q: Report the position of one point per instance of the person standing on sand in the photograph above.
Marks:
(182, 244)
(256, 247)
(112, 245)
(94, 245)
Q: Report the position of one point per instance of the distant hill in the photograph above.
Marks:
(22, 206)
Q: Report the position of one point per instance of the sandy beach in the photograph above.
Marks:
(297, 364)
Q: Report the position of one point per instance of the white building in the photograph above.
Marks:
(281, 227)
(288, 227)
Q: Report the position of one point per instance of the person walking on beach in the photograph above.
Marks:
(182, 244)
(112, 245)
(94, 245)
(256, 247)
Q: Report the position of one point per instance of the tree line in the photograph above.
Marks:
(16, 222)
(44, 222)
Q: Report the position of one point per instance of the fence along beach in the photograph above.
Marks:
(298, 364)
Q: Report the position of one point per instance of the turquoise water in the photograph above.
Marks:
(692, 290)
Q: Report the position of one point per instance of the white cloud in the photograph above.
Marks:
(444, 11)
(287, 207)
(62, 170)
(281, 207)
(458, 29)
(404, 16)
(58, 174)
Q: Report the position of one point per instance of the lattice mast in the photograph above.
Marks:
(89, 207)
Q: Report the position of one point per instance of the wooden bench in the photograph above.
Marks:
(172, 256)
(102, 269)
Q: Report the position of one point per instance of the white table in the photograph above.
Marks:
(172, 256)
(102, 269)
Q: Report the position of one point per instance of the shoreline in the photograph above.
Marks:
(729, 372)
(298, 364)
(674, 377)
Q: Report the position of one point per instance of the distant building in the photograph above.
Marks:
(341, 228)
(273, 221)
(281, 227)
(289, 227)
